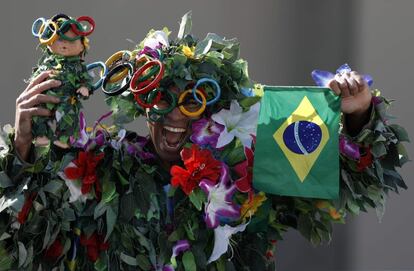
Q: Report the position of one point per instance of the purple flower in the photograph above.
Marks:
(150, 51)
(348, 148)
(135, 147)
(117, 143)
(180, 246)
(168, 268)
(87, 140)
(322, 78)
(206, 132)
(219, 199)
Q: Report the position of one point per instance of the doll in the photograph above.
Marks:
(64, 42)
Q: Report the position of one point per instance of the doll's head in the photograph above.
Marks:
(63, 35)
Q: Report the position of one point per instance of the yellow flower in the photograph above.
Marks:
(188, 52)
(250, 206)
(85, 42)
(58, 67)
(73, 100)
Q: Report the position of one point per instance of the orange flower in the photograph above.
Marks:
(251, 205)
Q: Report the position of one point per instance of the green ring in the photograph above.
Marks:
(173, 103)
(152, 72)
(62, 27)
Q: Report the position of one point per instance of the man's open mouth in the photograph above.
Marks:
(173, 137)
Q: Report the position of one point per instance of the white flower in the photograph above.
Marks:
(74, 187)
(237, 124)
(155, 38)
(222, 235)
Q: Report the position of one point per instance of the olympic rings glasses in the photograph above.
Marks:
(48, 31)
(142, 75)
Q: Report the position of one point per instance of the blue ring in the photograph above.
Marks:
(214, 83)
(93, 65)
(37, 35)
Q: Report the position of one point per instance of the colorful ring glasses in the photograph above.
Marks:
(48, 31)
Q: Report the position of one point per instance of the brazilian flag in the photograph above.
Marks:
(297, 142)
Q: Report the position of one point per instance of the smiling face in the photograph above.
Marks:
(67, 48)
(170, 135)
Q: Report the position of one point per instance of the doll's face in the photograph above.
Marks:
(67, 48)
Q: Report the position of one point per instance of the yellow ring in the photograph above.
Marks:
(199, 111)
(54, 36)
(113, 58)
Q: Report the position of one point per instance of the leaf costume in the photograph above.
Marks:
(107, 202)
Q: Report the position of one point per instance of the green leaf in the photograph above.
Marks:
(100, 209)
(143, 262)
(69, 214)
(128, 259)
(189, 261)
(197, 198)
(22, 254)
(53, 186)
(111, 216)
(185, 26)
(400, 132)
(379, 150)
(122, 179)
(5, 181)
(249, 101)
(203, 47)
(46, 238)
(100, 265)
(109, 191)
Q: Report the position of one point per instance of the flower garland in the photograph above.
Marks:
(107, 203)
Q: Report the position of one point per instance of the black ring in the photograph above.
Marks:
(114, 70)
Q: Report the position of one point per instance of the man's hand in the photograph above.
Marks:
(27, 106)
(354, 91)
(356, 99)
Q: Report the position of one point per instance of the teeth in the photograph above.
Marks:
(174, 129)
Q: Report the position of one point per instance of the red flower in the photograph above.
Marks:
(269, 254)
(86, 170)
(365, 160)
(200, 164)
(54, 251)
(245, 171)
(94, 244)
(24, 212)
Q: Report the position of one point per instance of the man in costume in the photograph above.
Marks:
(182, 200)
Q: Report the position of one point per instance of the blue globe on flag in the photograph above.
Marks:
(302, 137)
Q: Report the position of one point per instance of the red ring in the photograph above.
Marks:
(144, 90)
(86, 19)
(145, 105)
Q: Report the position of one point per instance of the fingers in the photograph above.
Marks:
(343, 85)
(352, 84)
(333, 84)
(28, 113)
(38, 99)
(348, 84)
(362, 83)
(38, 88)
(38, 79)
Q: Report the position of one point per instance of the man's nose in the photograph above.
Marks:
(176, 115)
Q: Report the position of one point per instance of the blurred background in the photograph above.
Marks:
(283, 42)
